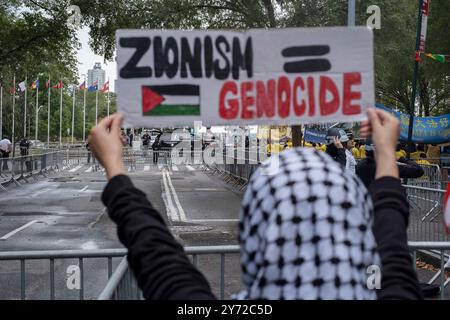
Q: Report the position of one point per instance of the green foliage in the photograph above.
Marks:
(36, 41)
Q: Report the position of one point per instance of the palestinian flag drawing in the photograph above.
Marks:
(171, 100)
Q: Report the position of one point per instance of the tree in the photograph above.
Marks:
(35, 42)
(394, 43)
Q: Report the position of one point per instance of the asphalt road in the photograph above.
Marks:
(64, 212)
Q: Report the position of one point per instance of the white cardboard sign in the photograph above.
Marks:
(261, 76)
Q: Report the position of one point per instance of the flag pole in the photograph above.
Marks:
(108, 97)
(73, 110)
(13, 115)
(48, 112)
(96, 105)
(60, 113)
(37, 110)
(414, 84)
(84, 110)
(25, 109)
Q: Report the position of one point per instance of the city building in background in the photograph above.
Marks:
(96, 74)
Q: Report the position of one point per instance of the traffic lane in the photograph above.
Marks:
(205, 198)
(67, 211)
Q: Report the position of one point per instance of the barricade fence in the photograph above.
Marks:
(115, 280)
(22, 169)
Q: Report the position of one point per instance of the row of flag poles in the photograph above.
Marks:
(23, 87)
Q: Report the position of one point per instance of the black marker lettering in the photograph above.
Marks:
(208, 57)
(158, 56)
(192, 59)
(241, 60)
(131, 70)
(171, 67)
(222, 73)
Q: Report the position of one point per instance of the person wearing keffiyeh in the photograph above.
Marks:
(308, 231)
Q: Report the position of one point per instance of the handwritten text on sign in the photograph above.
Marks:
(283, 76)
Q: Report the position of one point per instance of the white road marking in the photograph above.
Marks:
(36, 194)
(146, 168)
(76, 168)
(160, 167)
(190, 168)
(175, 168)
(84, 189)
(175, 197)
(9, 235)
(171, 211)
(89, 170)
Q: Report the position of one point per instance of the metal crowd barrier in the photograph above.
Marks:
(441, 251)
(121, 283)
(14, 171)
(426, 214)
(51, 257)
(432, 178)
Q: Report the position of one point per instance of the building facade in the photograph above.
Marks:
(96, 74)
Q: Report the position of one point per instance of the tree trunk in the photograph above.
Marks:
(271, 13)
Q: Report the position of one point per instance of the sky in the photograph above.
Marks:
(87, 58)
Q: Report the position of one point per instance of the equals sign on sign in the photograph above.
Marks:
(306, 65)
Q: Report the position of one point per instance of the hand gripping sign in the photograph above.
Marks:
(275, 76)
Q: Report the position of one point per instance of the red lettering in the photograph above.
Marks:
(265, 100)
(351, 79)
(247, 101)
(311, 97)
(299, 108)
(284, 97)
(328, 107)
(231, 109)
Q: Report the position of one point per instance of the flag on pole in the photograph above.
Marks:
(94, 87)
(35, 85)
(13, 88)
(439, 57)
(105, 88)
(22, 86)
(47, 84)
(83, 86)
(59, 85)
(447, 210)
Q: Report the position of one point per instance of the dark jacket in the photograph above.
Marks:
(338, 155)
(164, 271)
(366, 170)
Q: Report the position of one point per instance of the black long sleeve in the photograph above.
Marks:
(341, 157)
(158, 261)
(410, 169)
(399, 279)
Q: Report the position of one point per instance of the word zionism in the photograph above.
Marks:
(239, 78)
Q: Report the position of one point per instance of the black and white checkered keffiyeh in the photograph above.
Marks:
(306, 231)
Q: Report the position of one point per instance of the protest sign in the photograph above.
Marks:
(261, 76)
